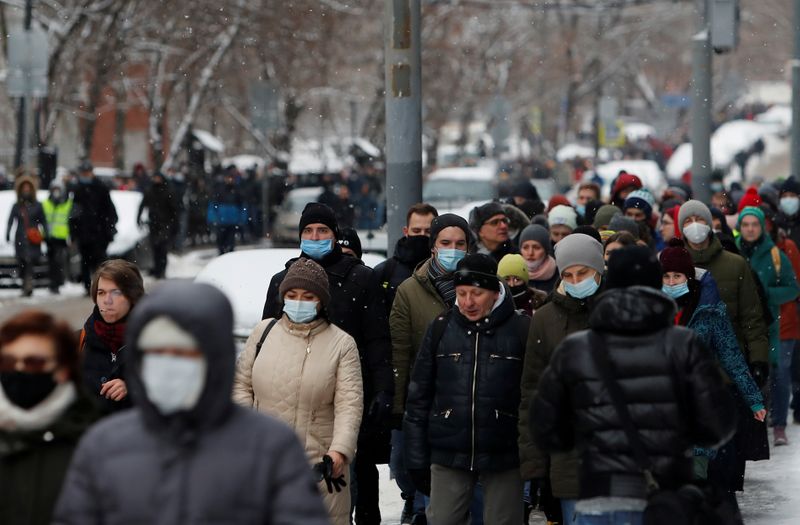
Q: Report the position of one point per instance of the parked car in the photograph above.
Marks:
(449, 188)
(288, 217)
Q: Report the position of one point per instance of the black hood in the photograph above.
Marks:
(204, 312)
(634, 310)
(413, 252)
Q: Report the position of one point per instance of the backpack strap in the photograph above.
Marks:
(776, 260)
(437, 331)
(263, 338)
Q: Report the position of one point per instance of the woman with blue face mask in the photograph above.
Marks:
(306, 372)
(701, 309)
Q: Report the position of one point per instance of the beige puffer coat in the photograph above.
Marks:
(309, 377)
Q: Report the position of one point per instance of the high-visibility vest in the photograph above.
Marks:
(58, 218)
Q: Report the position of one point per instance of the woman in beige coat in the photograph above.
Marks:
(308, 375)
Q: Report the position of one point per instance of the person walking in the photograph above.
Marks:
(514, 271)
(537, 250)
(162, 207)
(43, 414)
(590, 396)
(460, 422)
(226, 213)
(92, 222)
(186, 453)
(57, 209)
(31, 228)
(490, 224)
(305, 371)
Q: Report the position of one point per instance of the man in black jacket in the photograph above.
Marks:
(670, 384)
(461, 414)
(162, 207)
(356, 307)
(92, 222)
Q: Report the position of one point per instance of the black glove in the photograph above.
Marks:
(760, 372)
(421, 478)
(324, 470)
(381, 407)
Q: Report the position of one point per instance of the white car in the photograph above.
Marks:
(450, 188)
(288, 217)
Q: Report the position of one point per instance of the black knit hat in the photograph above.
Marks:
(633, 266)
(318, 213)
(349, 239)
(480, 214)
(448, 220)
(477, 270)
(791, 185)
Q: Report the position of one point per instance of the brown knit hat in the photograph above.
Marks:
(308, 275)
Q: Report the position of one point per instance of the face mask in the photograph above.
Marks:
(790, 205)
(27, 195)
(173, 383)
(84, 180)
(696, 233)
(419, 246)
(535, 265)
(55, 195)
(583, 289)
(581, 209)
(518, 290)
(717, 187)
(676, 290)
(449, 258)
(300, 311)
(316, 249)
(27, 390)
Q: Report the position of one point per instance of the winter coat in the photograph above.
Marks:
(214, 463)
(416, 305)
(498, 253)
(789, 318)
(554, 321)
(226, 207)
(162, 212)
(33, 462)
(26, 215)
(462, 404)
(529, 300)
(780, 285)
(93, 219)
(738, 290)
(101, 362)
(672, 388)
(309, 377)
(790, 224)
(391, 273)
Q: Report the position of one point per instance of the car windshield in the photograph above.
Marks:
(455, 191)
(297, 202)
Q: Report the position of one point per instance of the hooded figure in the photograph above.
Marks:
(186, 453)
(28, 214)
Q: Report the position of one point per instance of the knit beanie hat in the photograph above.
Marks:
(318, 213)
(480, 214)
(626, 180)
(538, 233)
(633, 266)
(582, 249)
(751, 198)
(758, 213)
(621, 223)
(513, 264)
(163, 332)
(675, 258)
(308, 275)
(526, 190)
(446, 221)
(604, 215)
(479, 270)
(641, 199)
(565, 215)
(673, 214)
(790, 185)
(557, 200)
(349, 239)
(693, 207)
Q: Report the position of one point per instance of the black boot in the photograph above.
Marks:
(408, 509)
(419, 519)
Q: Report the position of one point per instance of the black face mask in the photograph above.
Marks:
(419, 246)
(27, 390)
(518, 290)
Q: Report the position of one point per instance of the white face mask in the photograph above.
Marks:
(696, 233)
(173, 383)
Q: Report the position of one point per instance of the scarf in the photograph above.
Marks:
(443, 281)
(545, 271)
(110, 335)
(16, 419)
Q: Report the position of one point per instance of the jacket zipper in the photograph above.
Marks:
(455, 357)
(474, 386)
(506, 357)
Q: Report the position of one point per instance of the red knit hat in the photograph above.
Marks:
(675, 258)
(557, 200)
(673, 213)
(626, 180)
(751, 198)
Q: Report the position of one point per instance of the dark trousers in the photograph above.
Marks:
(26, 274)
(92, 254)
(56, 262)
(796, 385)
(226, 238)
(160, 250)
(366, 502)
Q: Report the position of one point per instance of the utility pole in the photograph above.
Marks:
(701, 108)
(21, 153)
(403, 72)
(796, 93)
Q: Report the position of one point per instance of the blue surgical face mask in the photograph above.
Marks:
(581, 209)
(316, 249)
(300, 311)
(676, 290)
(449, 258)
(583, 289)
(790, 205)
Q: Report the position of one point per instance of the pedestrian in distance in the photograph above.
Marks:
(226, 213)
(562, 220)
(490, 224)
(162, 207)
(305, 371)
(537, 250)
(117, 287)
(31, 227)
(460, 422)
(57, 209)
(186, 453)
(514, 272)
(43, 414)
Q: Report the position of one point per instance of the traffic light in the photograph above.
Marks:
(724, 15)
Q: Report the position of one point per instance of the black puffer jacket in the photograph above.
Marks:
(392, 272)
(93, 218)
(673, 388)
(463, 399)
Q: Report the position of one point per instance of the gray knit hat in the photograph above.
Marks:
(308, 275)
(579, 248)
(693, 207)
(538, 233)
(604, 215)
(621, 223)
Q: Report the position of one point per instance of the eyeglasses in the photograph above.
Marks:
(496, 222)
(31, 364)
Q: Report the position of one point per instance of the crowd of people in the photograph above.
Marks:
(599, 362)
